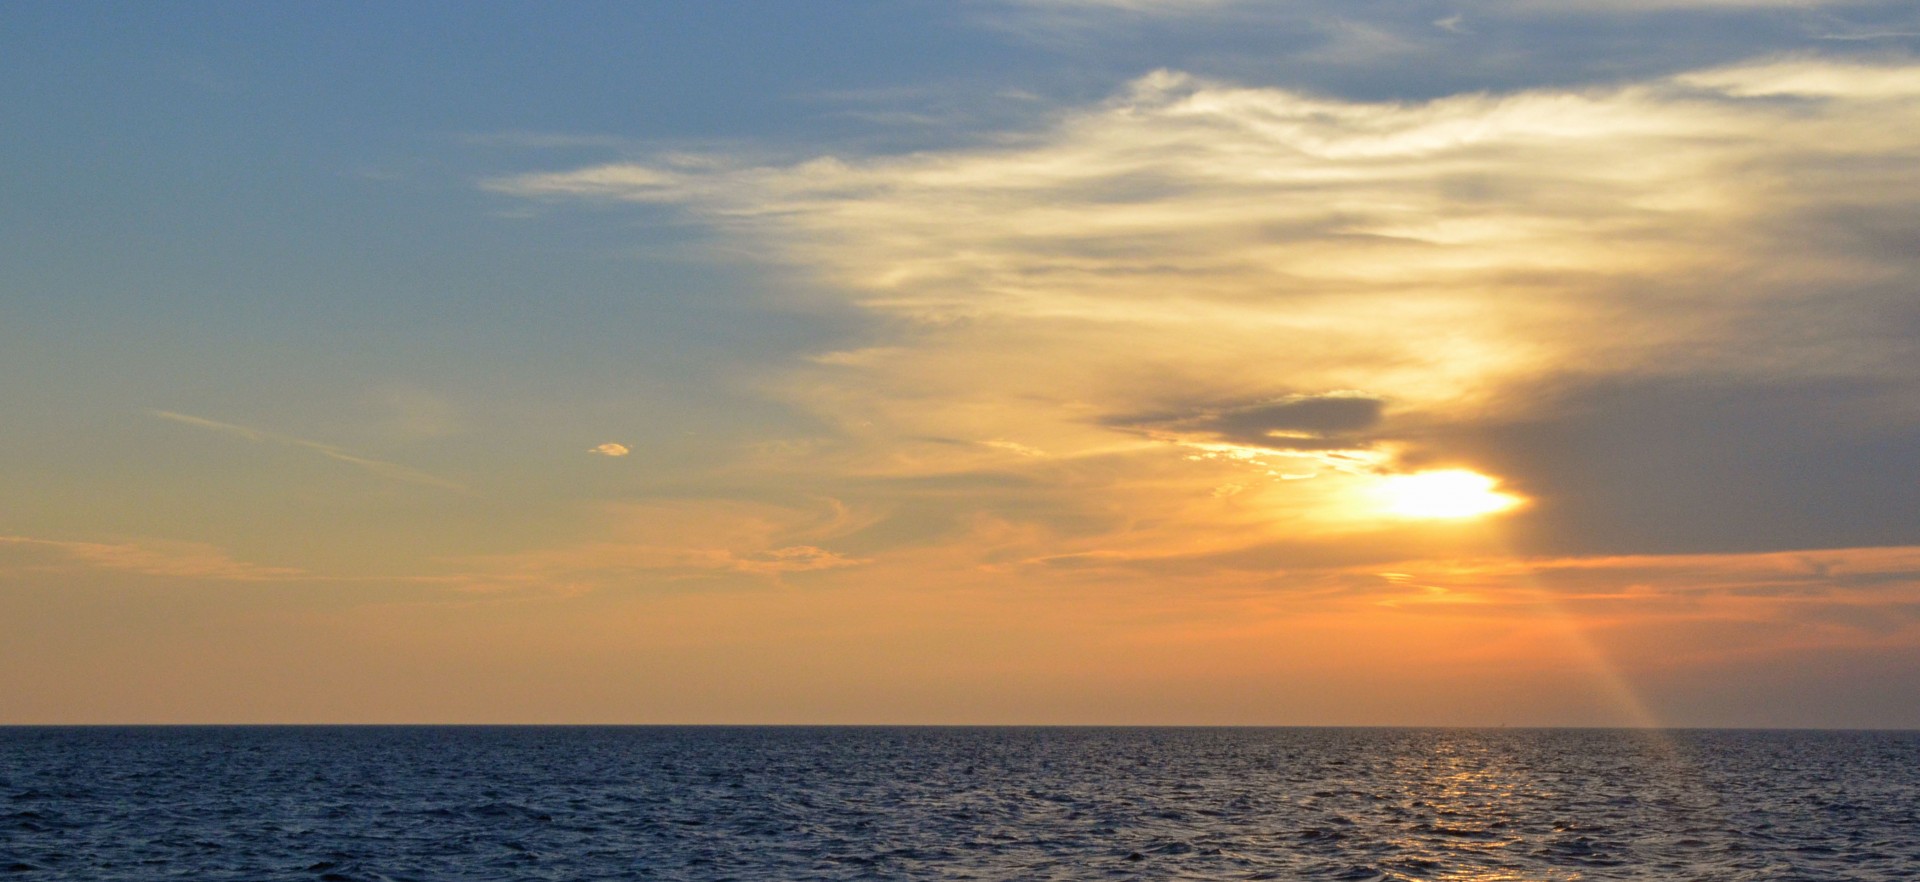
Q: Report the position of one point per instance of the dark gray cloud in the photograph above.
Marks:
(1325, 422)
(1676, 465)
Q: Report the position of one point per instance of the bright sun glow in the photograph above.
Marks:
(1449, 493)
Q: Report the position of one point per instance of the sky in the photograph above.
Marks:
(1209, 362)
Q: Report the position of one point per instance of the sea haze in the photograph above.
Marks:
(780, 803)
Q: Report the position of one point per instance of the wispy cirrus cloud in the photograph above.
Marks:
(1808, 78)
(1582, 6)
(1083, 12)
(678, 539)
(382, 468)
(1177, 7)
(148, 557)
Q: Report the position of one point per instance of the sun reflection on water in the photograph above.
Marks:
(1466, 810)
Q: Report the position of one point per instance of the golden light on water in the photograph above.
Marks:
(1443, 494)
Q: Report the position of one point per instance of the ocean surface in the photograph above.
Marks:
(699, 803)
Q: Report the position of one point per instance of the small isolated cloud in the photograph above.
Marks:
(611, 449)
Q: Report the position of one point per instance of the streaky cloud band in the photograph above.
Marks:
(389, 470)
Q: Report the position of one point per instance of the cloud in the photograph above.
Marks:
(1189, 7)
(535, 140)
(1693, 464)
(148, 557)
(614, 564)
(391, 471)
(1069, 14)
(1652, 5)
(1038, 16)
(1325, 422)
(1809, 78)
(793, 559)
(672, 540)
(1853, 34)
(1195, 262)
(1831, 597)
(1170, 7)
(1186, 199)
(1057, 18)
(610, 449)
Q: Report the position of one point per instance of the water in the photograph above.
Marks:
(343, 803)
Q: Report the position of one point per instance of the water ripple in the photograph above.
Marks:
(1378, 805)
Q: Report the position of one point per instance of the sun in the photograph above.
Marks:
(1445, 494)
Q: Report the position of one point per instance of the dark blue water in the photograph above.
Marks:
(908, 803)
